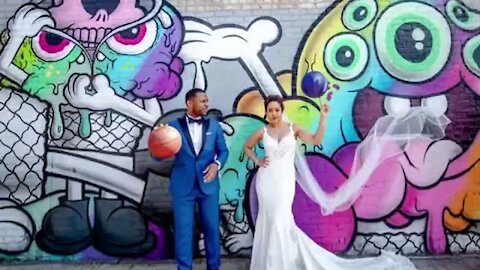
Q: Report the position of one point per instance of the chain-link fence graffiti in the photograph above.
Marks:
(373, 243)
(108, 132)
(464, 243)
(23, 133)
(412, 244)
(23, 126)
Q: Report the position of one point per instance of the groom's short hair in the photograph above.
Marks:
(192, 93)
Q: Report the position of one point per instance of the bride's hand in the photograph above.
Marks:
(262, 162)
(325, 109)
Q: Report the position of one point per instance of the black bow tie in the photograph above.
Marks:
(198, 120)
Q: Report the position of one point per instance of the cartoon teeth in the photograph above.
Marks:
(399, 107)
(165, 19)
(100, 56)
(81, 59)
(396, 106)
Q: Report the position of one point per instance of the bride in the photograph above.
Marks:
(278, 242)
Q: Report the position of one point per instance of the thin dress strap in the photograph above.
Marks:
(293, 131)
(265, 131)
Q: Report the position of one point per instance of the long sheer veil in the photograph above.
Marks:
(389, 137)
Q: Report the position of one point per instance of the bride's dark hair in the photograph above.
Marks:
(274, 98)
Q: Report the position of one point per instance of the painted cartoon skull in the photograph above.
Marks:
(143, 51)
(120, 41)
(88, 21)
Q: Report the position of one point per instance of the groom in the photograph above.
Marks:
(194, 180)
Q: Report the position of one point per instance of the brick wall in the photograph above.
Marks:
(208, 5)
(361, 230)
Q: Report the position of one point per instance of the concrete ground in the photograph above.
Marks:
(464, 262)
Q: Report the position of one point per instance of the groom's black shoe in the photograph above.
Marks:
(65, 228)
(120, 230)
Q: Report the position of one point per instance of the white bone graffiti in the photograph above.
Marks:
(203, 43)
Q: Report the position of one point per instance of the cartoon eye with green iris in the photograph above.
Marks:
(413, 41)
(471, 55)
(359, 14)
(346, 56)
(462, 16)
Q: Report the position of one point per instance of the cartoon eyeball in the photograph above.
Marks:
(462, 16)
(359, 14)
(51, 47)
(346, 56)
(413, 41)
(471, 55)
(135, 40)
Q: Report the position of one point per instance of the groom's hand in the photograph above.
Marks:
(160, 125)
(210, 172)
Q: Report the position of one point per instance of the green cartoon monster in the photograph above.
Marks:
(233, 178)
(41, 64)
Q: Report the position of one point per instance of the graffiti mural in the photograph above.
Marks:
(99, 80)
(380, 58)
(82, 87)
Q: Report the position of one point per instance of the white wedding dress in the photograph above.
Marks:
(278, 243)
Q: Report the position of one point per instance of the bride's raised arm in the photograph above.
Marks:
(316, 138)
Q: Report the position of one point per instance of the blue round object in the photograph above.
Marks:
(314, 84)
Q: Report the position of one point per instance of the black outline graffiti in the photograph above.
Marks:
(366, 25)
(30, 235)
(467, 8)
(260, 53)
(84, 153)
(366, 64)
(440, 71)
(43, 113)
(303, 42)
(463, 59)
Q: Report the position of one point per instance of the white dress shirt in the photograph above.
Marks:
(195, 130)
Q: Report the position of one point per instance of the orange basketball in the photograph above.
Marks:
(164, 142)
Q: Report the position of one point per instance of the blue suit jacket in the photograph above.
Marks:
(188, 167)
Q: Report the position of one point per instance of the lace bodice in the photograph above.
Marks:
(283, 149)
